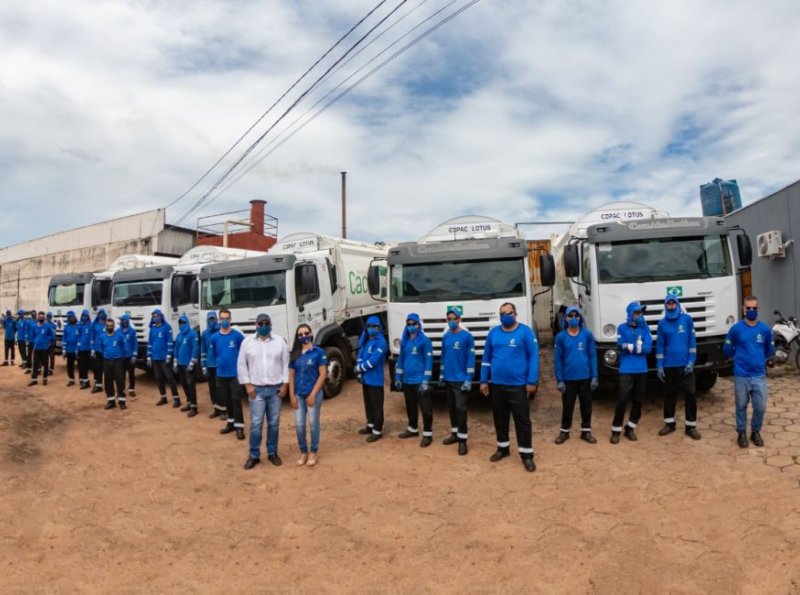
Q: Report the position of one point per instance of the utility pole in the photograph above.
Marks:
(344, 205)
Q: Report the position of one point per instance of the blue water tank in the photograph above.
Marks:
(720, 197)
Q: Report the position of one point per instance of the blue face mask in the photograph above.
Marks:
(751, 314)
(182, 324)
(372, 331)
(573, 322)
(306, 340)
(412, 329)
(507, 319)
(453, 324)
(225, 323)
(123, 323)
(264, 330)
(212, 325)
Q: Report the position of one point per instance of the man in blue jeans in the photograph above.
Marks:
(263, 369)
(750, 344)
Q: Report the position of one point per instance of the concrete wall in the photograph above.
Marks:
(775, 282)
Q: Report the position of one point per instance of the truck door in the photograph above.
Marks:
(313, 294)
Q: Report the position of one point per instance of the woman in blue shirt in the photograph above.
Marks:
(308, 368)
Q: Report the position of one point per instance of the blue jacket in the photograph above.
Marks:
(111, 345)
(372, 355)
(634, 363)
(98, 329)
(30, 330)
(9, 327)
(43, 336)
(575, 357)
(750, 347)
(458, 356)
(130, 342)
(22, 324)
(71, 336)
(207, 357)
(85, 332)
(226, 348)
(159, 341)
(415, 362)
(187, 346)
(511, 358)
(676, 344)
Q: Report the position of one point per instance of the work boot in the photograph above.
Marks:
(176, 403)
(70, 382)
(161, 401)
(122, 405)
(530, 466)
(275, 460)
(451, 439)
(214, 413)
(425, 442)
(692, 433)
(742, 440)
(630, 434)
(587, 437)
(251, 462)
(757, 439)
(186, 407)
(408, 434)
(667, 429)
(44, 381)
(84, 385)
(562, 437)
(131, 392)
(97, 389)
(500, 454)
(4, 364)
(33, 382)
(110, 405)
(227, 429)
(373, 437)
(614, 438)
(365, 430)
(462, 448)
(192, 412)
(239, 434)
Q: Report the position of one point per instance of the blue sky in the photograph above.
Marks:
(521, 110)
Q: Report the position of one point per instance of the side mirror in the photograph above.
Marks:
(547, 270)
(195, 293)
(745, 250)
(176, 291)
(572, 260)
(374, 281)
(95, 294)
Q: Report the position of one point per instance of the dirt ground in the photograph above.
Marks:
(146, 500)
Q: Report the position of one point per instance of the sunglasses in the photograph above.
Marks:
(303, 334)
(411, 323)
(264, 323)
(573, 315)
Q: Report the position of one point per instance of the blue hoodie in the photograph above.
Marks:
(458, 356)
(372, 354)
(130, 342)
(111, 346)
(187, 346)
(415, 362)
(511, 358)
(98, 329)
(207, 357)
(575, 356)
(85, 332)
(676, 344)
(750, 347)
(30, 328)
(22, 326)
(71, 336)
(634, 363)
(44, 335)
(159, 342)
(9, 326)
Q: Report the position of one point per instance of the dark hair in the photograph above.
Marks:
(513, 307)
(224, 311)
(297, 346)
(750, 298)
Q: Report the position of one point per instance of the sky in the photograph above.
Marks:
(521, 110)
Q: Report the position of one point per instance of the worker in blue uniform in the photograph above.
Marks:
(413, 376)
(634, 343)
(456, 373)
(370, 361)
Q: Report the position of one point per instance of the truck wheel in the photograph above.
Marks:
(705, 381)
(336, 372)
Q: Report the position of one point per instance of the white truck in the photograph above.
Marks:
(304, 278)
(626, 251)
(472, 262)
(91, 291)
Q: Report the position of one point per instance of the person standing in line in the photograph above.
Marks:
(98, 329)
(84, 349)
(9, 336)
(52, 350)
(676, 353)
(308, 369)
(412, 375)
(750, 343)
(111, 343)
(159, 358)
(130, 351)
(369, 372)
(634, 342)
(227, 343)
(30, 336)
(511, 363)
(22, 329)
(187, 350)
(208, 362)
(456, 373)
(263, 369)
(69, 345)
(43, 334)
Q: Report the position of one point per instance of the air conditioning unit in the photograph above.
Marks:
(770, 244)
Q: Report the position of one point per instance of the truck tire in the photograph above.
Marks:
(705, 381)
(336, 372)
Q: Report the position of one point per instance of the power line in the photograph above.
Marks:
(277, 101)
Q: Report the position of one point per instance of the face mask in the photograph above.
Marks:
(306, 340)
(40, 320)
(225, 324)
(507, 319)
(72, 321)
(123, 323)
(212, 325)
(264, 330)
(412, 329)
(453, 324)
(182, 325)
(372, 331)
(109, 329)
(751, 314)
(573, 322)
(637, 319)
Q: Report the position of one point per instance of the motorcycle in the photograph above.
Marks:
(787, 338)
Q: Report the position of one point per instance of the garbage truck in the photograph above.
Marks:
(627, 251)
(304, 278)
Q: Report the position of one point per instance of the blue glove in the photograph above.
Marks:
(467, 386)
(661, 375)
(423, 388)
(594, 384)
(688, 369)
(149, 362)
(562, 387)
(398, 385)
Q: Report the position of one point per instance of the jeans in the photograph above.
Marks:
(755, 391)
(312, 413)
(267, 401)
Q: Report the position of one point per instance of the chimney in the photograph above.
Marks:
(257, 216)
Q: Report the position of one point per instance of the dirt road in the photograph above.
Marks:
(148, 500)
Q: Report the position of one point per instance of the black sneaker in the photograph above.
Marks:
(161, 401)
(530, 466)
(275, 460)
(33, 382)
(742, 440)
(214, 413)
(614, 438)
(451, 439)
(692, 433)
(185, 408)
(587, 437)
(70, 383)
(365, 430)
(373, 437)
(44, 381)
(630, 434)
(562, 437)
(757, 439)
(239, 434)
(425, 442)
(192, 413)
(176, 403)
(462, 448)
(110, 405)
(251, 462)
(667, 429)
(408, 434)
(227, 429)
(123, 406)
(500, 454)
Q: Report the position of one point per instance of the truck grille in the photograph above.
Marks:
(703, 311)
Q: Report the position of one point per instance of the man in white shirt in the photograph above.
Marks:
(263, 369)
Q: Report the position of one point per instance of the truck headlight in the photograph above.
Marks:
(609, 331)
(730, 320)
(610, 357)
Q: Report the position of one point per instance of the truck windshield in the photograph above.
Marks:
(137, 293)
(463, 280)
(66, 295)
(663, 259)
(245, 291)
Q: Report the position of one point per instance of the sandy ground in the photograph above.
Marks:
(148, 500)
